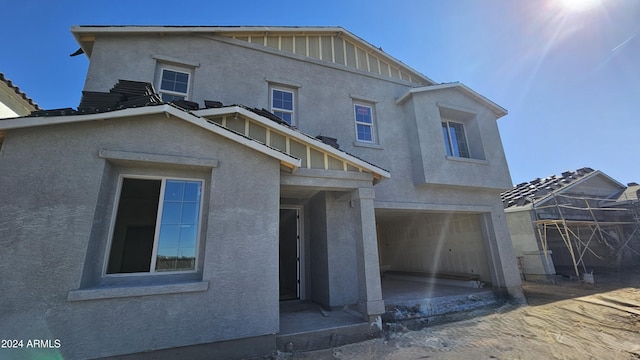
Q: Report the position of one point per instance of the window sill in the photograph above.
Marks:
(130, 291)
(468, 160)
(367, 145)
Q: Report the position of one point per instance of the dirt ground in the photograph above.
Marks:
(565, 320)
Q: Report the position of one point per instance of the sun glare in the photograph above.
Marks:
(577, 5)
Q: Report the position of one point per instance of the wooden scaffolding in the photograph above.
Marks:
(579, 226)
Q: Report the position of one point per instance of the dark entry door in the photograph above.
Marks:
(289, 254)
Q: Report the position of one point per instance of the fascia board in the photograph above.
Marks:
(26, 122)
(294, 134)
(497, 109)
(222, 131)
(18, 123)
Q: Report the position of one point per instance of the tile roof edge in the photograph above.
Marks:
(17, 90)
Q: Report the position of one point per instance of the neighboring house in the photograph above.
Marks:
(137, 226)
(13, 102)
(580, 219)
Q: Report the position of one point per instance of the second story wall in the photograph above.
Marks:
(358, 108)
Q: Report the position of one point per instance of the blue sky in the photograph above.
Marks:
(569, 79)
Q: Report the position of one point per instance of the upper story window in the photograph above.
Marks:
(364, 123)
(283, 104)
(156, 226)
(174, 85)
(455, 139)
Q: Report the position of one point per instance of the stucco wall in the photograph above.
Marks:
(409, 135)
(341, 246)
(50, 235)
(237, 72)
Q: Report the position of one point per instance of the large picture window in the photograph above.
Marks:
(156, 227)
(455, 139)
(282, 105)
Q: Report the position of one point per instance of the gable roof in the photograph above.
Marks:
(630, 195)
(351, 50)
(498, 110)
(286, 159)
(8, 88)
(539, 190)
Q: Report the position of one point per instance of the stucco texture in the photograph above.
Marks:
(45, 233)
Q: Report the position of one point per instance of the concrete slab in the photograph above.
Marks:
(306, 326)
(300, 317)
(406, 299)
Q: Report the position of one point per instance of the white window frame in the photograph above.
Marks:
(371, 125)
(287, 111)
(177, 69)
(114, 215)
(449, 145)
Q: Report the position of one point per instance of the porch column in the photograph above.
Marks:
(370, 303)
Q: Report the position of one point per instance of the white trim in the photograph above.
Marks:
(450, 142)
(293, 134)
(177, 69)
(158, 223)
(274, 87)
(497, 109)
(370, 125)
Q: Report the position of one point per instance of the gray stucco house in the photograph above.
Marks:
(133, 228)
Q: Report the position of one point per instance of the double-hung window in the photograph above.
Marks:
(156, 226)
(455, 139)
(283, 104)
(174, 85)
(364, 123)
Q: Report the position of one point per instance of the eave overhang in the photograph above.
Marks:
(26, 122)
(498, 110)
(378, 173)
(200, 118)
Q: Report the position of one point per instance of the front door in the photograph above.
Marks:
(289, 254)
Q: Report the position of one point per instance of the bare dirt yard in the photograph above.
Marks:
(565, 320)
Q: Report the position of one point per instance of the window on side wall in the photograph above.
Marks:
(157, 226)
(364, 120)
(455, 139)
(283, 104)
(174, 84)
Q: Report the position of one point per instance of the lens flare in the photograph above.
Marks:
(577, 5)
